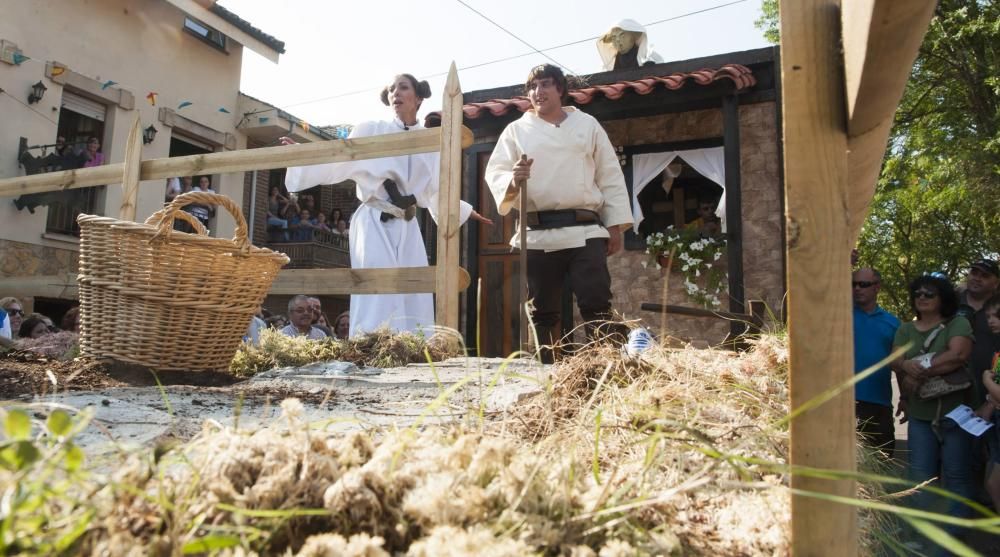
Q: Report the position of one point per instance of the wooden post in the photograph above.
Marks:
(819, 288)
(133, 166)
(449, 190)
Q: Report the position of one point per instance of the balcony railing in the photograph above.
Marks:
(325, 250)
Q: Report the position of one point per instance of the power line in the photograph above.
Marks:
(516, 56)
(505, 30)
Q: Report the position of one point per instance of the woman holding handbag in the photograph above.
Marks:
(933, 381)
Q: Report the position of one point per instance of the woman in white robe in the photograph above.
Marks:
(396, 242)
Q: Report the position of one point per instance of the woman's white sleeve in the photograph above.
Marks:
(304, 177)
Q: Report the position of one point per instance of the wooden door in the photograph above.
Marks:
(499, 273)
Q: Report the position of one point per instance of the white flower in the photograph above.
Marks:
(658, 267)
(645, 264)
(697, 272)
(718, 254)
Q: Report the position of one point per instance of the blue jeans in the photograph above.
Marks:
(946, 455)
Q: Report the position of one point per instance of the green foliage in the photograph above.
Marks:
(936, 205)
(768, 21)
(45, 485)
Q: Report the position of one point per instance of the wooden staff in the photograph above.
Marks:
(522, 186)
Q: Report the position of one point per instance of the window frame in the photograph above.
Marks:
(212, 36)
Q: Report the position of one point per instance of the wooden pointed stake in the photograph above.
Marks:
(819, 277)
(449, 188)
(133, 166)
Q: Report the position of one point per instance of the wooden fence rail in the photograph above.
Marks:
(446, 279)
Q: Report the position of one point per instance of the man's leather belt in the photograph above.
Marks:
(545, 220)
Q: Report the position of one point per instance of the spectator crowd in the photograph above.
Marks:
(943, 357)
(305, 317)
(296, 218)
(16, 325)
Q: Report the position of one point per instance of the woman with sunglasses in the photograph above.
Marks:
(937, 344)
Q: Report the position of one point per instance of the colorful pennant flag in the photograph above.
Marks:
(20, 58)
(263, 119)
(151, 97)
(184, 104)
(58, 70)
(305, 126)
(223, 109)
(107, 84)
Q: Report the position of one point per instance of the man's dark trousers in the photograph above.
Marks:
(587, 270)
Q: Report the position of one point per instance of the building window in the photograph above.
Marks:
(81, 129)
(205, 33)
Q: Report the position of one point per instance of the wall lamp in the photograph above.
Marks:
(149, 134)
(37, 92)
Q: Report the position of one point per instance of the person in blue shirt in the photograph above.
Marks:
(874, 331)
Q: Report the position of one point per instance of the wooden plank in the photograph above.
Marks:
(449, 190)
(265, 158)
(333, 282)
(819, 288)
(881, 41)
(132, 164)
(322, 282)
(700, 312)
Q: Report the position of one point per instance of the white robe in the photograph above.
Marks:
(377, 244)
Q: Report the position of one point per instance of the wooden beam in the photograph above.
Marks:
(734, 206)
(334, 282)
(819, 289)
(322, 282)
(265, 158)
(132, 165)
(881, 41)
(449, 191)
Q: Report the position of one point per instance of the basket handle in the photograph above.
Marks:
(170, 212)
(199, 228)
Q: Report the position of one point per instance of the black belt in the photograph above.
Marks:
(545, 220)
(408, 203)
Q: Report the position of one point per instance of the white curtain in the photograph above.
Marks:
(710, 163)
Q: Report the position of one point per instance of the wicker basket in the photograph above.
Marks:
(169, 300)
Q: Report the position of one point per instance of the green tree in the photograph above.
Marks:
(937, 204)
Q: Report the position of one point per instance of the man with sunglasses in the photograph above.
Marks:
(874, 331)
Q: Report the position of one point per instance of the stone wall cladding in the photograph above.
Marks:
(763, 264)
(18, 259)
(763, 239)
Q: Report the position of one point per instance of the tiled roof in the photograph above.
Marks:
(248, 28)
(741, 76)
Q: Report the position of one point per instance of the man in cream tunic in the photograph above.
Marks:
(577, 203)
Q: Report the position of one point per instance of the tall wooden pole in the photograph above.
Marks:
(449, 190)
(819, 288)
(131, 171)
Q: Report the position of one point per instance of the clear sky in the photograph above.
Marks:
(339, 53)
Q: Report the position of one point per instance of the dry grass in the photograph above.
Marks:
(670, 454)
(382, 349)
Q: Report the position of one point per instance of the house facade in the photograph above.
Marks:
(174, 63)
(700, 130)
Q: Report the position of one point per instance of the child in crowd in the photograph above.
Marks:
(990, 411)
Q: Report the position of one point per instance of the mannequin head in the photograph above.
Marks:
(623, 41)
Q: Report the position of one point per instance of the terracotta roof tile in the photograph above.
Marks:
(741, 76)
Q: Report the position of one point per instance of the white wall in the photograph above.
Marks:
(141, 45)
